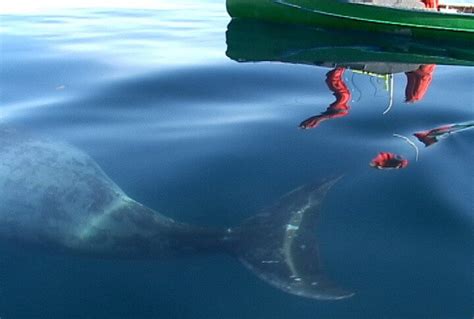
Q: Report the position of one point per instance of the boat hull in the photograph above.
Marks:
(340, 15)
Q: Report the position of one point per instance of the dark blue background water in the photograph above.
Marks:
(151, 96)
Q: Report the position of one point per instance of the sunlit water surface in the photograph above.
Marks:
(152, 97)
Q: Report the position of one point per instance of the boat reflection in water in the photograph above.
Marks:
(418, 82)
(432, 136)
(377, 56)
(340, 107)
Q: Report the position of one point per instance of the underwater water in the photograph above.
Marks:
(199, 120)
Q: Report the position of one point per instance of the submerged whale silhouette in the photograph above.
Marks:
(56, 197)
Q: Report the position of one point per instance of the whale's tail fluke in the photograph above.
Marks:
(280, 246)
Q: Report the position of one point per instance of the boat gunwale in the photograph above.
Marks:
(417, 10)
(385, 22)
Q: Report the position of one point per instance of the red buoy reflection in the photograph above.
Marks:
(339, 108)
(386, 160)
(432, 136)
(418, 82)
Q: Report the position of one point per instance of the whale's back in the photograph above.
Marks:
(48, 188)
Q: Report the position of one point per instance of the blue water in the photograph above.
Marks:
(185, 130)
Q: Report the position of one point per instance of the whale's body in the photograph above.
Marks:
(56, 197)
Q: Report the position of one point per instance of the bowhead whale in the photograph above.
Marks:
(53, 196)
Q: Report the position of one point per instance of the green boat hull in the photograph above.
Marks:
(341, 15)
(255, 41)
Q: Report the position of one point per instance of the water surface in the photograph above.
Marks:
(152, 96)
